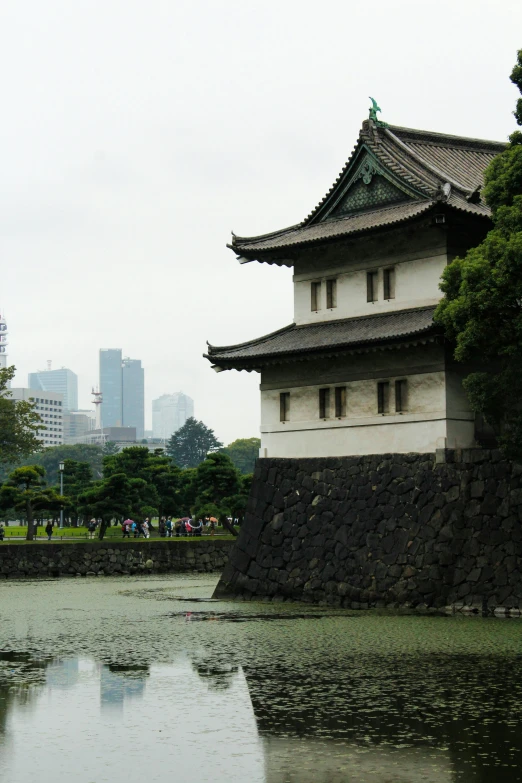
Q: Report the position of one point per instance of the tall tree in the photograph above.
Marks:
(243, 452)
(25, 490)
(482, 305)
(77, 478)
(217, 482)
(19, 424)
(190, 445)
(117, 497)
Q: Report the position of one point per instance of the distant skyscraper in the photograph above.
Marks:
(63, 381)
(49, 406)
(111, 387)
(133, 384)
(122, 384)
(169, 413)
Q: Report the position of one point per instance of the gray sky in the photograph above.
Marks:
(135, 135)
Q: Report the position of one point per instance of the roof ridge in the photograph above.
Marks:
(450, 137)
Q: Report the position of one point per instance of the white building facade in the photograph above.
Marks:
(169, 414)
(50, 408)
(364, 369)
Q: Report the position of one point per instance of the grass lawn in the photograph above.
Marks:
(78, 534)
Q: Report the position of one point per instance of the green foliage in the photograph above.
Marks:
(243, 452)
(116, 497)
(155, 469)
(216, 478)
(77, 478)
(50, 458)
(190, 445)
(19, 424)
(481, 310)
(110, 448)
(25, 490)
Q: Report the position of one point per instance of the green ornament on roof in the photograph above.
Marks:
(373, 114)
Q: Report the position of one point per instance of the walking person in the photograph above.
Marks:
(92, 528)
(49, 529)
(168, 526)
(145, 528)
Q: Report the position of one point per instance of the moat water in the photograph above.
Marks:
(123, 679)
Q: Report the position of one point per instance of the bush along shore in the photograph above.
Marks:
(101, 558)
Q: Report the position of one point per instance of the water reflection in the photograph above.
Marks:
(303, 698)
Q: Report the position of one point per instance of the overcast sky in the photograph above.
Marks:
(135, 135)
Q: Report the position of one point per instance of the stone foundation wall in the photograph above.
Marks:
(413, 530)
(104, 558)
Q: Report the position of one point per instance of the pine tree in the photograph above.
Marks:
(189, 446)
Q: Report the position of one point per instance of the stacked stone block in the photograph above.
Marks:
(115, 558)
(410, 530)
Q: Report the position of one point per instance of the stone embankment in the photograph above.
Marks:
(97, 558)
(403, 530)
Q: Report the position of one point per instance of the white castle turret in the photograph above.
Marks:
(3, 342)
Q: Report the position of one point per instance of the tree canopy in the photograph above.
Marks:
(25, 490)
(191, 443)
(19, 424)
(243, 452)
(482, 305)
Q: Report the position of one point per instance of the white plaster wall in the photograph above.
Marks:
(426, 426)
(393, 437)
(416, 285)
(426, 394)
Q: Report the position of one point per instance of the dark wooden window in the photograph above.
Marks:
(284, 406)
(372, 283)
(401, 396)
(340, 401)
(324, 403)
(383, 397)
(316, 296)
(389, 283)
(331, 294)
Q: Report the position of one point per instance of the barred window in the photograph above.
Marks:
(389, 283)
(324, 403)
(383, 397)
(372, 286)
(331, 294)
(340, 401)
(316, 296)
(284, 406)
(401, 396)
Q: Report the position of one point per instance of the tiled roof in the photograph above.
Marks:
(345, 334)
(434, 169)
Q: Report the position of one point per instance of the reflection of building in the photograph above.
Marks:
(62, 381)
(63, 674)
(49, 407)
(118, 683)
(122, 385)
(169, 414)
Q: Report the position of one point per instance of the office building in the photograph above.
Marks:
(169, 413)
(122, 385)
(76, 425)
(111, 387)
(133, 405)
(62, 381)
(50, 407)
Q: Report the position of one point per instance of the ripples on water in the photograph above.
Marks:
(133, 680)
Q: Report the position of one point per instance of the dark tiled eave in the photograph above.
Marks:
(423, 161)
(347, 335)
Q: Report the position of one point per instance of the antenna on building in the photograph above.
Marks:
(3, 342)
(97, 399)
